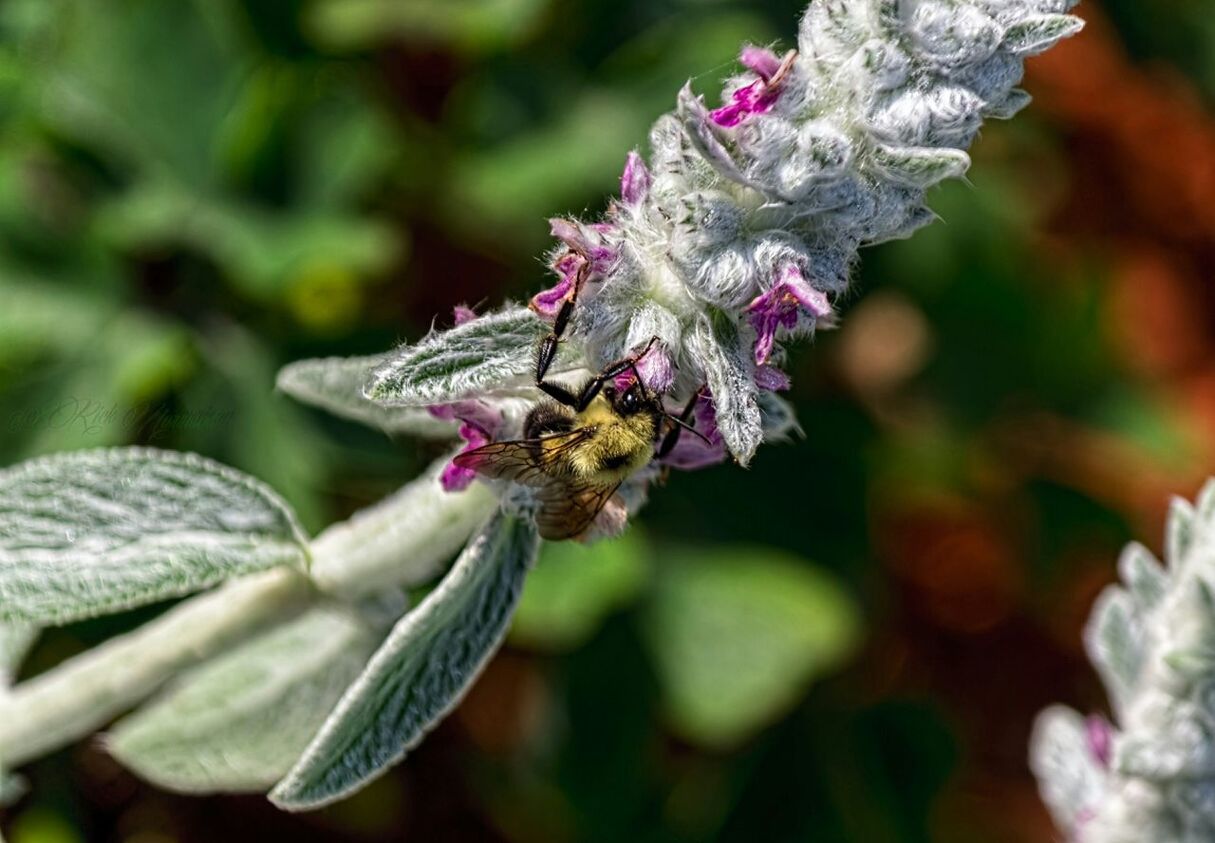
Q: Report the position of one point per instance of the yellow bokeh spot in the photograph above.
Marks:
(325, 298)
(39, 825)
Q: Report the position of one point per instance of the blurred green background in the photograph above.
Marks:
(846, 642)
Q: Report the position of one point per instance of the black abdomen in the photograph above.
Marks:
(547, 418)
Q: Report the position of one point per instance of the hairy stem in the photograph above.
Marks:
(401, 540)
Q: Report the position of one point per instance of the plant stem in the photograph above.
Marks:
(400, 541)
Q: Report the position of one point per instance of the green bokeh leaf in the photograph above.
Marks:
(472, 25)
(738, 634)
(575, 586)
(90, 532)
(429, 660)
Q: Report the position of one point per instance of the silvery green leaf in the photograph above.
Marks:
(1179, 533)
(778, 417)
(12, 788)
(1179, 745)
(336, 384)
(1068, 778)
(1114, 643)
(84, 533)
(448, 365)
(238, 723)
(1038, 33)
(700, 131)
(1143, 575)
(730, 372)
(1007, 106)
(1204, 507)
(919, 167)
(404, 540)
(430, 659)
(15, 641)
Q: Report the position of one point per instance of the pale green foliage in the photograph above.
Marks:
(738, 634)
(238, 723)
(15, 639)
(725, 354)
(429, 660)
(90, 532)
(335, 384)
(575, 586)
(1151, 775)
(474, 357)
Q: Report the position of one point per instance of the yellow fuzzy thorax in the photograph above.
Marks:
(619, 445)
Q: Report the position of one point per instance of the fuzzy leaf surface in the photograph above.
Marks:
(85, 533)
(448, 365)
(730, 373)
(335, 384)
(420, 672)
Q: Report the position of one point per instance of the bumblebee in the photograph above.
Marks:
(578, 447)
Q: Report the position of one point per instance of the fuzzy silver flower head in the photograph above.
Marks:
(1149, 775)
(743, 228)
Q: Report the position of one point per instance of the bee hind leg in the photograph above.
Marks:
(683, 420)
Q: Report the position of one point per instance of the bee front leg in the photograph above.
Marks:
(548, 352)
(610, 371)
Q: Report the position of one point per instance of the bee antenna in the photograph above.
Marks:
(688, 428)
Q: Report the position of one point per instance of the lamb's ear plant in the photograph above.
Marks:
(737, 233)
(1149, 773)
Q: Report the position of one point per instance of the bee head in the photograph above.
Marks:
(626, 402)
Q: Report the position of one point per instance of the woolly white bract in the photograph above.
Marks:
(1150, 775)
(746, 222)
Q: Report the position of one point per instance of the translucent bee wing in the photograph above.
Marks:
(530, 462)
(567, 510)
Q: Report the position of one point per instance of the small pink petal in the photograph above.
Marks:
(1100, 737)
(782, 306)
(771, 378)
(692, 452)
(761, 61)
(635, 181)
(479, 424)
(567, 231)
(470, 411)
(463, 313)
(548, 302)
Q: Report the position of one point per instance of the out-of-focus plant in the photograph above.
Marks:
(1150, 773)
(739, 233)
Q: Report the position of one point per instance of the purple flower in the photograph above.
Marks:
(656, 368)
(771, 378)
(479, 423)
(587, 255)
(1100, 736)
(463, 313)
(759, 60)
(783, 307)
(692, 452)
(548, 302)
(760, 95)
(635, 181)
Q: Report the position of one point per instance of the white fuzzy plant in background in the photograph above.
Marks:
(738, 233)
(1149, 775)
